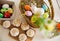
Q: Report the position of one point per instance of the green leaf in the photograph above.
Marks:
(40, 21)
(33, 19)
(42, 27)
(49, 21)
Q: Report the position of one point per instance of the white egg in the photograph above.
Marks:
(30, 33)
(40, 11)
(5, 6)
(22, 37)
(33, 8)
(14, 32)
(36, 10)
(6, 24)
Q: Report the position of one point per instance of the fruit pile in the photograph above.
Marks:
(6, 11)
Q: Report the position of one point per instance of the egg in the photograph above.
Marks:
(7, 15)
(40, 11)
(45, 7)
(33, 8)
(36, 10)
(5, 6)
(46, 15)
(3, 10)
(1, 15)
(27, 7)
(6, 24)
(28, 13)
(14, 32)
(10, 10)
(22, 37)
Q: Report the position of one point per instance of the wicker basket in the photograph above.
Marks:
(51, 13)
(12, 4)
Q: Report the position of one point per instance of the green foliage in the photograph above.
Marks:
(40, 21)
(49, 21)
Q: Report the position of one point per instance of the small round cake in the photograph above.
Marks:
(6, 24)
(24, 26)
(22, 37)
(30, 33)
(5, 6)
(14, 32)
(16, 22)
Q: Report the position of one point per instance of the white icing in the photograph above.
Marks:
(22, 37)
(24, 27)
(6, 24)
(14, 32)
(30, 33)
(16, 22)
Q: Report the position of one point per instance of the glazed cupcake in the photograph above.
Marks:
(14, 32)
(16, 22)
(30, 33)
(24, 26)
(6, 24)
(22, 37)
